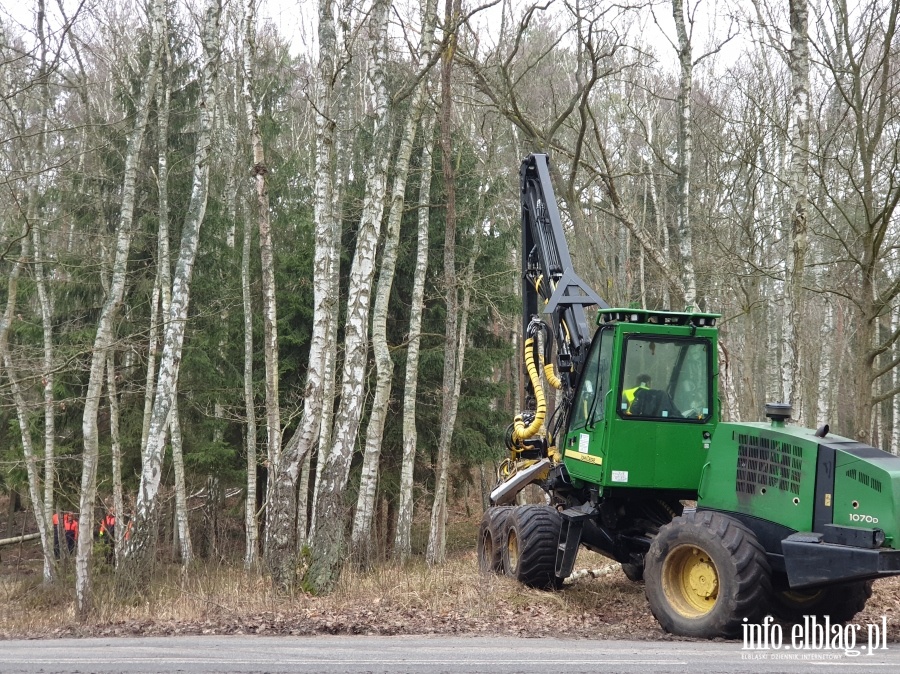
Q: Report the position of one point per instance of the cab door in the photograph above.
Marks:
(664, 414)
(583, 450)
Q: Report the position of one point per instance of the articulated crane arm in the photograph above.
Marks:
(549, 285)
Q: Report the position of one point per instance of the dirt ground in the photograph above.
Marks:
(221, 598)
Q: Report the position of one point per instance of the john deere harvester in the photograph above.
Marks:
(788, 520)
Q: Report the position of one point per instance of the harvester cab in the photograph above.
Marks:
(724, 522)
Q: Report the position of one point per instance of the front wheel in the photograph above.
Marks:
(529, 550)
(704, 573)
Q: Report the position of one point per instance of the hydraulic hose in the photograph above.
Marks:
(520, 430)
(552, 378)
(548, 368)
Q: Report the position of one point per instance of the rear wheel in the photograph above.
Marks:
(705, 572)
(490, 539)
(840, 602)
(529, 550)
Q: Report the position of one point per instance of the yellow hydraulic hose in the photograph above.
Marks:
(552, 379)
(520, 430)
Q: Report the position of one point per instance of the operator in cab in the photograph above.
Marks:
(643, 382)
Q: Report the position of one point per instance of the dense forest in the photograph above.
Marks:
(242, 262)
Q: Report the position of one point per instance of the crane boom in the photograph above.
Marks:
(547, 272)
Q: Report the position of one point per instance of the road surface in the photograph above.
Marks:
(425, 655)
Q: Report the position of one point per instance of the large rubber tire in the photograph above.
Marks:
(704, 573)
(490, 538)
(529, 548)
(841, 602)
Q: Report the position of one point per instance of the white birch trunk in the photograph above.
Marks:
(792, 354)
(181, 511)
(826, 367)
(281, 509)
(112, 395)
(34, 491)
(332, 307)
(361, 536)
(437, 536)
(250, 525)
(328, 541)
(270, 314)
(162, 283)
(895, 434)
(152, 351)
(339, 169)
(182, 521)
(143, 539)
(403, 539)
(45, 301)
(728, 383)
(303, 502)
(329, 385)
(111, 306)
(685, 152)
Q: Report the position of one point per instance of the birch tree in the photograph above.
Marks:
(857, 161)
(281, 510)
(43, 523)
(361, 536)
(115, 440)
(259, 170)
(402, 541)
(111, 306)
(685, 152)
(328, 537)
(163, 295)
(39, 271)
(250, 524)
(449, 389)
(142, 542)
(797, 180)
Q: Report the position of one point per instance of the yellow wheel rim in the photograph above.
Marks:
(690, 581)
(512, 547)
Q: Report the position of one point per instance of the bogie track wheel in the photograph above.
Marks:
(704, 573)
(530, 543)
(490, 538)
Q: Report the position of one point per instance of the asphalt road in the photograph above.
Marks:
(425, 655)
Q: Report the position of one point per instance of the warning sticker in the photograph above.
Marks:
(583, 440)
(620, 476)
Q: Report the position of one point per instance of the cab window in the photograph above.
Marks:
(591, 395)
(665, 379)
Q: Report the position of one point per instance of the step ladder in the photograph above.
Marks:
(570, 537)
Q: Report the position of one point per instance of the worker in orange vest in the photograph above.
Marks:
(70, 524)
(56, 535)
(70, 531)
(107, 535)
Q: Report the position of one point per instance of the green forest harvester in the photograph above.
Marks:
(787, 520)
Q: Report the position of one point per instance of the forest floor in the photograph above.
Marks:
(387, 599)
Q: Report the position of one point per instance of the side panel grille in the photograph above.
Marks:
(769, 464)
(863, 478)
